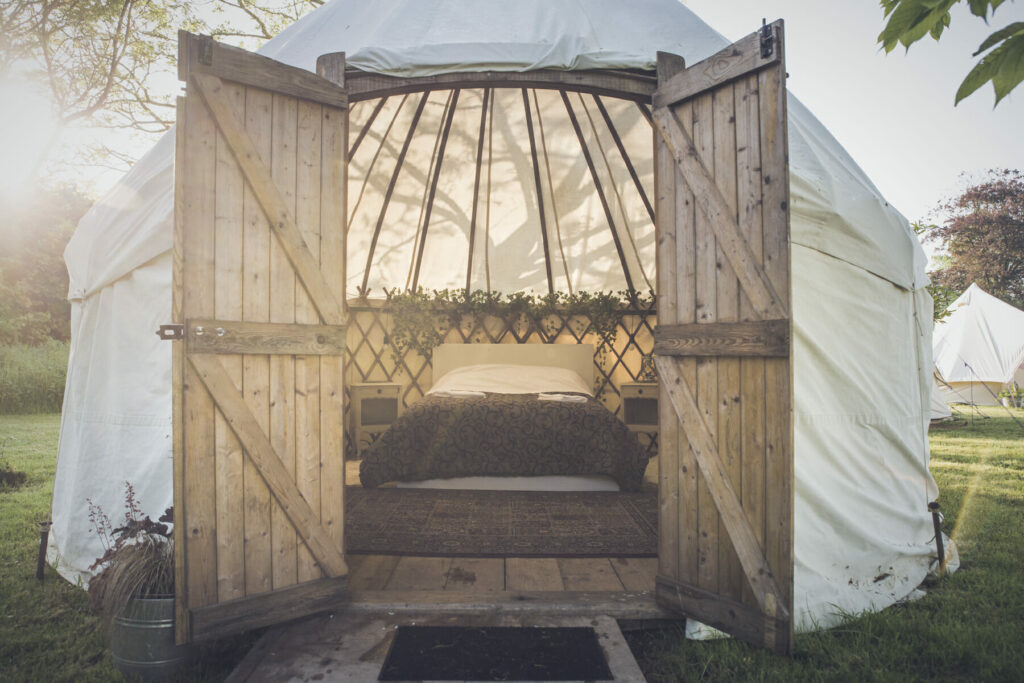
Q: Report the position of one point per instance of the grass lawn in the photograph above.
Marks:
(969, 627)
(47, 630)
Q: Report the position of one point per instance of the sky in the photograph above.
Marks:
(893, 113)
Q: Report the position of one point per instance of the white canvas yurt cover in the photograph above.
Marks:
(979, 348)
(863, 537)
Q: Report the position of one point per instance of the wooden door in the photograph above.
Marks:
(259, 279)
(723, 348)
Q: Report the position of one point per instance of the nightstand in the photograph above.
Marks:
(640, 406)
(375, 405)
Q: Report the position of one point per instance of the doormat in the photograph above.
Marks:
(449, 653)
(453, 523)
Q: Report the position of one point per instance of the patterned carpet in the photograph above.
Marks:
(389, 521)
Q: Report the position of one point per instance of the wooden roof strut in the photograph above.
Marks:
(540, 191)
(373, 161)
(391, 188)
(476, 188)
(366, 127)
(625, 156)
(433, 186)
(600, 191)
(551, 189)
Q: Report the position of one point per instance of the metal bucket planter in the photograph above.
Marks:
(142, 640)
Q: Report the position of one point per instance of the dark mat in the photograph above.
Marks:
(446, 523)
(448, 653)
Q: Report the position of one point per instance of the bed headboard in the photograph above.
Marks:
(578, 357)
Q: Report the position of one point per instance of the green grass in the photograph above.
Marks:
(47, 630)
(32, 377)
(970, 626)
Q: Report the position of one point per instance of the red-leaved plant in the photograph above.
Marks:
(139, 556)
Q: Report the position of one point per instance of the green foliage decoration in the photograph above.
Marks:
(422, 320)
(908, 21)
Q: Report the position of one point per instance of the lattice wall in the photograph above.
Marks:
(371, 357)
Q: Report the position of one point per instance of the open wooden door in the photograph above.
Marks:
(259, 277)
(723, 346)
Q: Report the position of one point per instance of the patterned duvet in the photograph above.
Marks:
(442, 437)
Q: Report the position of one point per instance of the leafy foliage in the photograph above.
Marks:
(420, 321)
(911, 20)
(33, 278)
(139, 557)
(984, 238)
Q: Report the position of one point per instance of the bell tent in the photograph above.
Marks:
(483, 154)
(979, 348)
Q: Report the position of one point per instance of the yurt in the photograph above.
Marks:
(979, 348)
(535, 149)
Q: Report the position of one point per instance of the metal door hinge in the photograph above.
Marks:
(171, 332)
(767, 40)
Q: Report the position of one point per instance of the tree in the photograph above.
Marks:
(33, 279)
(911, 20)
(110, 64)
(983, 237)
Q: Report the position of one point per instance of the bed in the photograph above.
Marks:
(508, 417)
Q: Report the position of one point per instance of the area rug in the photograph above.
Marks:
(390, 521)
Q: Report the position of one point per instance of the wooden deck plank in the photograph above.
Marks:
(588, 574)
(636, 573)
(419, 574)
(476, 575)
(370, 572)
(532, 574)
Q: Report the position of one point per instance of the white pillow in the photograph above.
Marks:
(512, 379)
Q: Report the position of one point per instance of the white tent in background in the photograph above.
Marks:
(979, 348)
(863, 537)
(940, 408)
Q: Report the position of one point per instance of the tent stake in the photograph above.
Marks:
(44, 537)
(937, 525)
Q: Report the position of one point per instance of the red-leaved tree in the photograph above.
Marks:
(983, 237)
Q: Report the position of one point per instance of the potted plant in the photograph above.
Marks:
(133, 585)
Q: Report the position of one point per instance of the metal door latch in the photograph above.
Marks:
(767, 40)
(171, 332)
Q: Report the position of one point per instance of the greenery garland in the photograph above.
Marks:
(421, 320)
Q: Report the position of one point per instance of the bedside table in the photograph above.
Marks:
(640, 406)
(375, 405)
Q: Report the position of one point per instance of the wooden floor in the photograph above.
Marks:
(495, 574)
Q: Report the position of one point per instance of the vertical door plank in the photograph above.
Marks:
(256, 368)
(282, 310)
(665, 212)
(707, 368)
(333, 210)
(200, 518)
(306, 130)
(686, 293)
(178, 364)
(228, 306)
(752, 392)
(731, 578)
(778, 371)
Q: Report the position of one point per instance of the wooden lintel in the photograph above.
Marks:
(268, 463)
(227, 336)
(733, 617)
(735, 61)
(705, 449)
(280, 216)
(630, 85)
(202, 54)
(266, 609)
(751, 275)
(767, 338)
